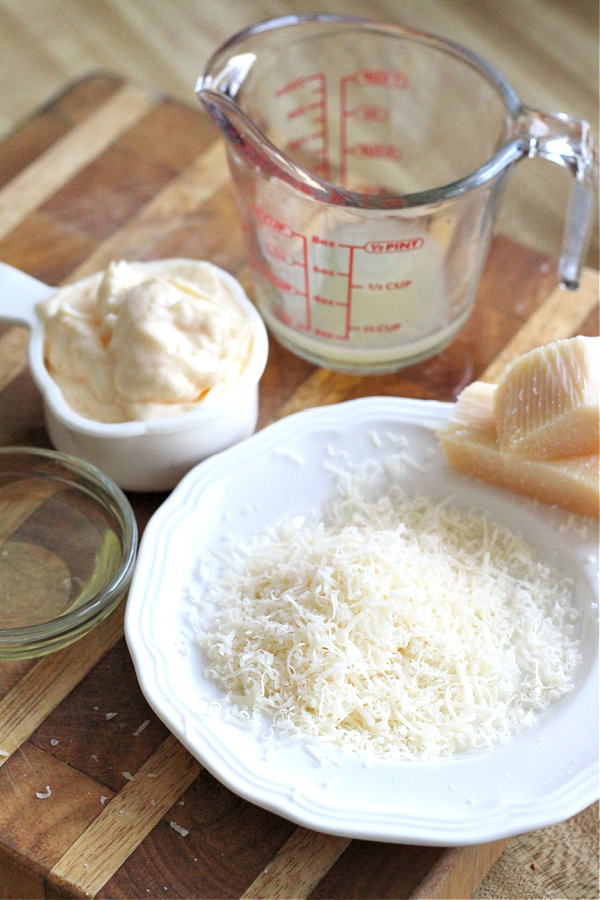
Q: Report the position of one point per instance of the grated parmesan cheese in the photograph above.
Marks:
(392, 626)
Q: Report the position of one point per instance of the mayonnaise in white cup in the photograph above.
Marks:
(140, 455)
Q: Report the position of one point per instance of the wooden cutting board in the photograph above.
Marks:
(111, 170)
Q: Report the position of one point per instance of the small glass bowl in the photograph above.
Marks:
(68, 543)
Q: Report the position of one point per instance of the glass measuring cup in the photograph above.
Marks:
(368, 162)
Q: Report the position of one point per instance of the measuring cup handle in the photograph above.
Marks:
(19, 294)
(570, 143)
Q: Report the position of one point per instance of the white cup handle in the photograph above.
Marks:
(19, 294)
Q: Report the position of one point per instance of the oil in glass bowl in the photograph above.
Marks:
(68, 540)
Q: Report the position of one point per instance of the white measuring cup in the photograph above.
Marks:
(368, 162)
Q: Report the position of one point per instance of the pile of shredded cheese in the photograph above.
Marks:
(391, 626)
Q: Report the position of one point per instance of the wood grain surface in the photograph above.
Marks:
(130, 814)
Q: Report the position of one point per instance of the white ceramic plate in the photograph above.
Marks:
(543, 775)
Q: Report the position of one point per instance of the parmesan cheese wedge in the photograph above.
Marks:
(470, 444)
(547, 404)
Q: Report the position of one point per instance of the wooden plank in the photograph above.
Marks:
(49, 681)
(13, 354)
(46, 805)
(459, 872)
(298, 867)
(322, 388)
(551, 863)
(560, 316)
(71, 153)
(105, 845)
(181, 197)
(15, 509)
(18, 884)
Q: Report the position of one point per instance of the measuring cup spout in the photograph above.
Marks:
(245, 140)
(218, 87)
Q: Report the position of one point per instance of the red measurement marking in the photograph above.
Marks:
(278, 253)
(369, 112)
(280, 283)
(381, 78)
(302, 110)
(397, 246)
(376, 151)
(344, 113)
(389, 286)
(326, 301)
(374, 190)
(299, 82)
(305, 139)
(293, 85)
(285, 317)
(330, 335)
(314, 85)
(319, 271)
(283, 230)
(276, 280)
(349, 291)
(374, 113)
(275, 252)
(380, 329)
(270, 221)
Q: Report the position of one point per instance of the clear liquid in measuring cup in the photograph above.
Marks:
(359, 293)
(58, 547)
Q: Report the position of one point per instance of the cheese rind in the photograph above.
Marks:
(548, 401)
(470, 444)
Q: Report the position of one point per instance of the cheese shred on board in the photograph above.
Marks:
(391, 626)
